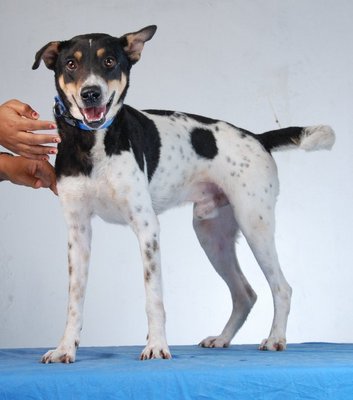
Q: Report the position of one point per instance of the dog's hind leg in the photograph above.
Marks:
(257, 222)
(217, 237)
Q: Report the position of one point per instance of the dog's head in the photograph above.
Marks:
(92, 72)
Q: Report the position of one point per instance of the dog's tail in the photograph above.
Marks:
(310, 138)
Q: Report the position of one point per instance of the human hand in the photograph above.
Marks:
(23, 171)
(17, 123)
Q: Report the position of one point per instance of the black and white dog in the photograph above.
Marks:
(127, 166)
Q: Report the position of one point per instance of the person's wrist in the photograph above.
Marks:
(3, 156)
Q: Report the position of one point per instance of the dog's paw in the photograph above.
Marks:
(215, 341)
(59, 355)
(273, 344)
(155, 351)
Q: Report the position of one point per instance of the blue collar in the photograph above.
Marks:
(60, 111)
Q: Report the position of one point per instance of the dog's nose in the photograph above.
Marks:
(91, 95)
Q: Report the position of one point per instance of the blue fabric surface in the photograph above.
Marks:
(305, 371)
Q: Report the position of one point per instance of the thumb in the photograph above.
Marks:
(37, 183)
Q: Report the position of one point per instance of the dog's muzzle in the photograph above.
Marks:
(93, 111)
(61, 112)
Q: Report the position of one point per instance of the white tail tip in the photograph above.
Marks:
(317, 138)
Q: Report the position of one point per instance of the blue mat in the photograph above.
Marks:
(305, 371)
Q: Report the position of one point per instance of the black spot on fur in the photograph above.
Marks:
(204, 143)
(148, 255)
(155, 245)
(132, 130)
(147, 275)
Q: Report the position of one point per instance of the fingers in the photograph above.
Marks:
(30, 122)
(40, 184)
(30, 145)
(25, 124)
(23, 109)
(18, 132)
(46, 176)
(36, 152)
(54, 189)
(41, 174)
(34, 139)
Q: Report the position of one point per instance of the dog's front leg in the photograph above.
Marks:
(79, 243)
(147, 232)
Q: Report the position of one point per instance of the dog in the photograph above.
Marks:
(127, 166)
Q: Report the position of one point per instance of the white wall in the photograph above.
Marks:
(242, 61)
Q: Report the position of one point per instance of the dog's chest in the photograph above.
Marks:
(118, 188)
(117, 185)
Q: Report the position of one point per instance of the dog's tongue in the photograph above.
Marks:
(93, 114)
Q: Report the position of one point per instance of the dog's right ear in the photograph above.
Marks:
(49, 54)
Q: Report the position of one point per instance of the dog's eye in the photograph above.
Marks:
(71, 65)
(109, 62)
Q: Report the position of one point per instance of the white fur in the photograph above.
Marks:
(317, 138)
(235, 190)
(233, 185)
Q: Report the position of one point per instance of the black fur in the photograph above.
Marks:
(112, 47)
(163, 113)
(204, 143)
(74, 156)
(202, 120)
(132, 129)
(280, 137)
(168, 113)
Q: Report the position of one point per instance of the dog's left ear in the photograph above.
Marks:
(49, 54)
(133, 42)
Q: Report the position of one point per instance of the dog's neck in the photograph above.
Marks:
(60, 111)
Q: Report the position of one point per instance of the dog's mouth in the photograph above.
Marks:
(94, 117)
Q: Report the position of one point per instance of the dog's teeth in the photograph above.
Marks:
(93, 114)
